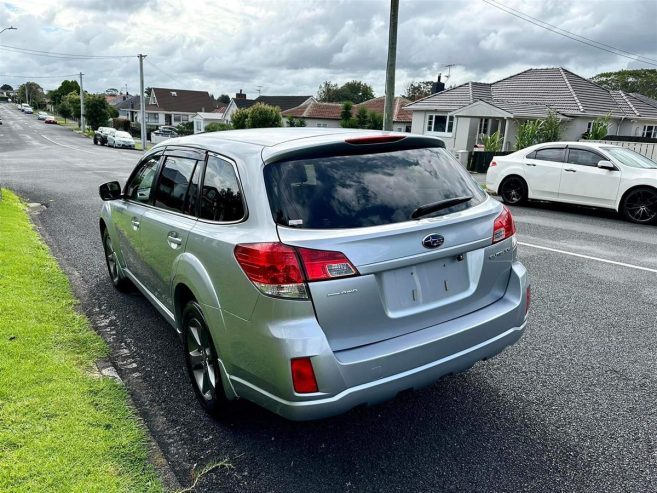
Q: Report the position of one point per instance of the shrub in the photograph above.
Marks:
(528, 134)
(295, 122)
(240, 118)
(217, 127)
(493, 142)
(121, 124)
(550, 130)
(375, 121)
(185, 128)
(264, 116)
(599, 128)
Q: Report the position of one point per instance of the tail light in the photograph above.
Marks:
(529, 299)
(282, 271)
(492, 163)
(375, 139)
(303, 376)
(504, 227)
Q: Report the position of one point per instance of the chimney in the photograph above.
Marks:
(437, 86)
(240, 95)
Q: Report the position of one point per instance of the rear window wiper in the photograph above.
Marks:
(425, 209)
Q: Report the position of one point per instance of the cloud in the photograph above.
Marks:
(291, 46)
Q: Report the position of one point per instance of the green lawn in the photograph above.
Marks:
(61, 427)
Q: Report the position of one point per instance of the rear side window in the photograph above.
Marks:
(550, 155)
(583, 158)
(221, 196)
(365, 190)
(172, 187)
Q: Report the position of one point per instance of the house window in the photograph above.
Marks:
(440, 123)
(199, 125)
(323, 125)
(589, 127)
(484, 125)
(152, 117)
(650, 131)
(178, 118)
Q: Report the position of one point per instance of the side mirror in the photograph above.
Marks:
(110, 190)
(604, 164)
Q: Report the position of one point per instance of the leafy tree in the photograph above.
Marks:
(112, 91)
(264, 116)
(295, 122)
(354, 91)
(147, 92)
(224, 98)
(64, 110)
(66, 87)
(418, 90)
(376, 121)
(240, 118)
(345, 114)
(643, 81)
(6, 87)
(113, 112)
(185, 128)
(73, 100)
(96, 110)
(217, 127)
(550, 129)
(362, 118)
(33, 93)
(121, 124)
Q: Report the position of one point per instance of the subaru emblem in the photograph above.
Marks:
(433, 240)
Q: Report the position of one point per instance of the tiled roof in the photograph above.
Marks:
(243, 103)
(533, 91)
(183, 100)
(331, 111)
(283, 102)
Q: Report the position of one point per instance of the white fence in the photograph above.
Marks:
(648, 150)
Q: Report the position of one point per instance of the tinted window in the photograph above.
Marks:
(365, 190)
(549, 155)
(584, 158)
(139, 187)
(631, 158)
(174, 181)
(221, 198)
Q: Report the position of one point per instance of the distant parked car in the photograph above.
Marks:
(592, 174)
(50, 119)
(312, 271)
(42, 115)
(100, 135)
(120, 139)
(28, 110)
(23, 106)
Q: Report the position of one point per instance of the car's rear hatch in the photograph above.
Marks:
(412, 274)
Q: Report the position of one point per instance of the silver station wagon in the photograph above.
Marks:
(314, 270)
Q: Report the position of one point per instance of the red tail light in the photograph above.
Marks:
(504, 227)
(492, 163)
(276, 269)
(303, 376)
(322, 265)
(529, 299)
(375, 139)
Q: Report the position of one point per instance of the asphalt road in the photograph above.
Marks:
(571, 407)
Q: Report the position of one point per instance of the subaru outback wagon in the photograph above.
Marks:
(314, 270)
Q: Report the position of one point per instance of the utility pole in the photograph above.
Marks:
(81, 104)
(390, 68)
(142, 102)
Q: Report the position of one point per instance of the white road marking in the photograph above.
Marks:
(588, 257)
(67, 146)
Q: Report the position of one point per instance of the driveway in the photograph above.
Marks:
(571, 407)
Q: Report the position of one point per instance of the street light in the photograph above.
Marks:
(8, 28)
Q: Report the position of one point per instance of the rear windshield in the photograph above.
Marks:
(367, 189)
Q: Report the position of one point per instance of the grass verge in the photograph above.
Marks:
(61, 428)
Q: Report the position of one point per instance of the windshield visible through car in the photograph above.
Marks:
(366, 190)
(631, 158)
(123, 135)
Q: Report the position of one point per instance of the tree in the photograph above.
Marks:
(240, 118)
(217, 127)
(73, 100)
(224, 98)
(64, 110)
(66, 87)
(550, 130)
(643, 81)
(376, 121)
(96, 110)
(185, 128)
(147, 92)
(418, 90)
(6, 87)
(32, 93)
(354, 91)
(295, 122)
(113, 112)
(112, 91)
(345, 114)
(599, 128)
(362, 118)
(264, 116)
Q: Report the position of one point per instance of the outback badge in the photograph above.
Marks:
(433, 240)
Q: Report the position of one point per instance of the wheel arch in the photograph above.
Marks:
(621, 201)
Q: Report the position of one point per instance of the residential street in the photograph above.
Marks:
(571, 407)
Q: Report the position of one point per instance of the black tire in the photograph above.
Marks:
(513, 190)
(640, 205)
(118, 281)
(95, 141)
(202, 363)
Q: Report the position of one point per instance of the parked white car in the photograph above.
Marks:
(120, 139)
(592, 174)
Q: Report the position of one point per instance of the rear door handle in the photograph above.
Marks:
(174, 240)
(135, 223)
(530, 164)
(570, 170)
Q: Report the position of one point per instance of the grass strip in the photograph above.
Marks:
(61, 428)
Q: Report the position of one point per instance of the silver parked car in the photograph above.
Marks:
(314, 270)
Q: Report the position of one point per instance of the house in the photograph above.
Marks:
(317, 114)
(202, 119)
(459, 116)
(167, 106)
(240, 101)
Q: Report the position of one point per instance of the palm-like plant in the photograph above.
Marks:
(492, 142)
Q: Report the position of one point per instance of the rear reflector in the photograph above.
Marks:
(282, 270)
(322, 265)
(492, 163)
(303, 376)
(504, 227)
(529, 299)
(375, 139)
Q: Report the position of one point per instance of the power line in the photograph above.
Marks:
(636, 58)
(37, 76)
(54, 54)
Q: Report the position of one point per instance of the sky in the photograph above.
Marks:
(289, 47)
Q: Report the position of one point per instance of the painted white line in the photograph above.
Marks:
(588, 257)
(67, 146)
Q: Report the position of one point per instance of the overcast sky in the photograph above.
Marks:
(291, 46)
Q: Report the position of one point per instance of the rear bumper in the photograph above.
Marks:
(378, 372)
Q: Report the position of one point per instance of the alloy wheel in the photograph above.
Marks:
(199, 350)
(513, 190)
(110, 256)
(641, 206)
